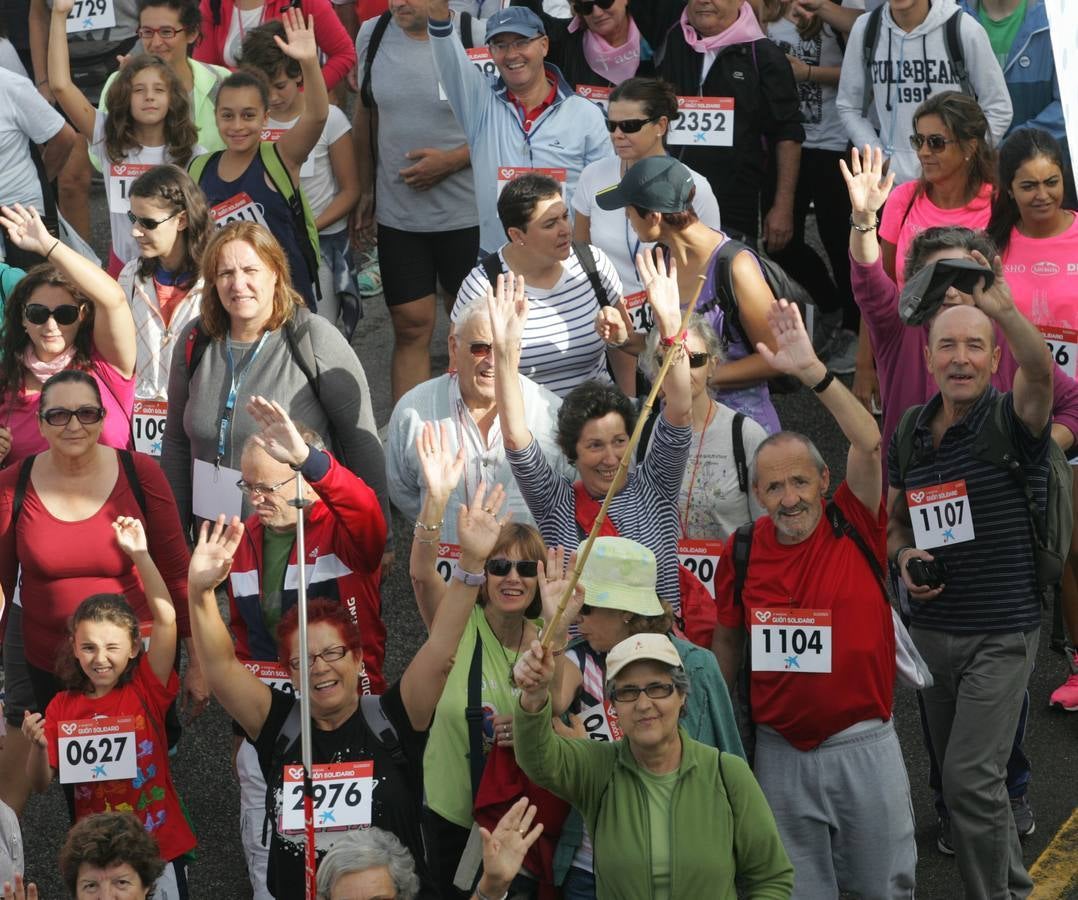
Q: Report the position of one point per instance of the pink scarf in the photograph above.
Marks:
(744, 30)
(43, 370)
(615, 64)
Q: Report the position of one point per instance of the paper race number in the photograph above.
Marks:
(640, 312)
(121, 176)
(795, 641)
(272, 675)
(482, 60)
(240, 206)
(148, 423)
(702, 559)
(600, 96)
(447, 555)
(274, 135)
(508, 173)
(1063, 345)
(90, 15)
(341, 796)
(940, 514)
(97, 750)
(601, 722)
(704, 122)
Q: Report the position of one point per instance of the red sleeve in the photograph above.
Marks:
(333, 40)
(355, 507)
(158, 697)
(167, 544)
(208, 47)
(729, 616)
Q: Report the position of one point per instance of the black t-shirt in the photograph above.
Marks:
(395, 804)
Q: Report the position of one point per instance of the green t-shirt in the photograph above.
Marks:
(1001, 33)
(660, 791)
(276, 549)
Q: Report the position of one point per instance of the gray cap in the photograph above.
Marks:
(515, 20)
(655, 183)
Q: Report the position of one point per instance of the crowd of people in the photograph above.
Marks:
(610, 201)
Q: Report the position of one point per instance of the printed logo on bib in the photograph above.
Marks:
(600, 96)
(640, 311)
(796, 641)
(940, 514)
(274, 135)
(97, 750)
(121, 176)
(702, 559)
(508, 173)
(341, 796)
(90, 15)
(601, 722)
(272, 675)
(482, 60)
(1063, 345)
(704, 122)
(238, 207)
(447, 555)
(148, 423)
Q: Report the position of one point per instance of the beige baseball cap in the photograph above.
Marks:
(621, 574)
(641, 646)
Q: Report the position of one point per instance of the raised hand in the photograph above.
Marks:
(299, 42)
(130, 535)
(795, 355)
(508, 310)
(440, 466)
(997, 300)
(504, 849)
(614, 325)
(533, 673)
(661, 285)
(212, 557)
(20, 890)
(865, 180)
(478, 525)
(26, 230)
(33, 727)
(62, 7)
(278, 435)
(553, 581)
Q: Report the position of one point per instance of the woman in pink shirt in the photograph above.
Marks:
(1038, 239)
(64, 314)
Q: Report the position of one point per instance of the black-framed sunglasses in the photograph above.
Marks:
(39, 313)
(480, 349)
(58, 416)
(262, 489)
(657, 690)
(586, 7)
(936, 142)
(627, 126)
(696, 360)
(167, 32)
(147, 223)
(330, 654)
(499, 566)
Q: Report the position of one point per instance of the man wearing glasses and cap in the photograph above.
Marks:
(529, 118)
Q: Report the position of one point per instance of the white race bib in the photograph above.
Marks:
(704, 122)
(793, 640)
(274, 135)
(447, 555)
(121, 175)
(91, 15)
(1063, 345)
(940, 515)
(702, 559)
(97, 750)
(342, 796)
(600, 96)
(238, 207)
(508, 173)
(601, 722)
(640, 312)
(215, 491)
(482, 60)
(272, 675)
(148, 423)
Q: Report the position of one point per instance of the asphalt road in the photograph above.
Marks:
(203, 775)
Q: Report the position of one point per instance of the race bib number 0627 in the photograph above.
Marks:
(790, 640)
(97, 750)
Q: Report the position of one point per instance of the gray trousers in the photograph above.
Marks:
(972, 711)
(843, 812)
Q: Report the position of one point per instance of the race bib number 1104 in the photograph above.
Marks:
(790, 640)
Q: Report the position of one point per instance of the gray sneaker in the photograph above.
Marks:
(1024, 820)
(943, 836)
(841, 355)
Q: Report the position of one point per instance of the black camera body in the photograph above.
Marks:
(930, 573)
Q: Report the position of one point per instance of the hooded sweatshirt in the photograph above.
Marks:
(907, 68)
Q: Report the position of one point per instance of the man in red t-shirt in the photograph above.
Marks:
(822, 647)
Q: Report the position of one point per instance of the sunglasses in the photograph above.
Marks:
(587, 7)
(657, 690)
(526, 568)
(936, 142)
(39, 314)
(263, 489)
(166, 31)
(627, 126)
(58, 417)
(330, 654)
(696, 360)
(147, 223)
(480, 349)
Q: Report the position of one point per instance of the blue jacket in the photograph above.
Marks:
(1030, 73)
(569, 135)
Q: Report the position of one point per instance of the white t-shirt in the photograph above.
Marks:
(24, 114)
(316, 174)
(611, 231)
(243, 20)
(9, 58)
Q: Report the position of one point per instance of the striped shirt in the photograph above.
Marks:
(560, 347)
(992, 581)
(645, 510)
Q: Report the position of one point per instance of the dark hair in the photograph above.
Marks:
(245, 78)
(964, 118)
(590, 400)
(260, 52)
(679, 220)
(15, 340)
(113, 609)
(521, 196)
(108, 839)
(181, 134)
(657, 96)
(319, 610)
(530, 543)
(660, 624)
(946, 237)
(1022, 146)
(68, 376)
(190, 13)
(171, 185)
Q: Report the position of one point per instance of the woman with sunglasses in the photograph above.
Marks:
(65, 314)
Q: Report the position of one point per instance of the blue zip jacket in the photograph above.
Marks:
(570, 134)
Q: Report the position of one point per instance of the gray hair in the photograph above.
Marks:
(946, 237)
(474, 309)
(369, 848)
(699, 326)
(677, 675)
(796, 437)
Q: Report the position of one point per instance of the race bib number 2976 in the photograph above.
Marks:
(341, 796)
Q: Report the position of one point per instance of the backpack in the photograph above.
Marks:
(1053, 526)
(492, 268)
(302, 217)
(955, 54)
(781, 285)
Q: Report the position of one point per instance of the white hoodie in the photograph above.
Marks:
(907, 69)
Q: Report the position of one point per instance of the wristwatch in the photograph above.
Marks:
(469, 578)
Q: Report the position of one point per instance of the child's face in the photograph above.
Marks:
(149, 97)
(286, 99)
(240, 118)
(104, 651)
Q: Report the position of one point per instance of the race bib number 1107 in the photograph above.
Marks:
(940, 515)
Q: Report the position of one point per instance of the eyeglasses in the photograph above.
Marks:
(330, 654)
(502, 47)
(936, 142)
(480, 349)
(167, 32)
(657, 690)
(39, 314)
(587, 7)
(627, 126)
(526, 568)
(147, 223)
(696, 360)
(263, 489)
(58, 416)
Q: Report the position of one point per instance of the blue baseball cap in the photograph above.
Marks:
(515, 20)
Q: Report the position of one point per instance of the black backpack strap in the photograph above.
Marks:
(380, 726)
(591, 269)
(841, 526)
(366, 96)
(21, 484)
(742, 552)
(297, 332)
(645, 435)
(466, 30)
(740, 462)
(128, 463)
(868, 51)
(473, 714)
(904, 440)
(286, 737)
(195, 347)
(725, 295)
(956, 53)
(492, 267)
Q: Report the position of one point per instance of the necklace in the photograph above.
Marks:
(695, 466)
(516, 655)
